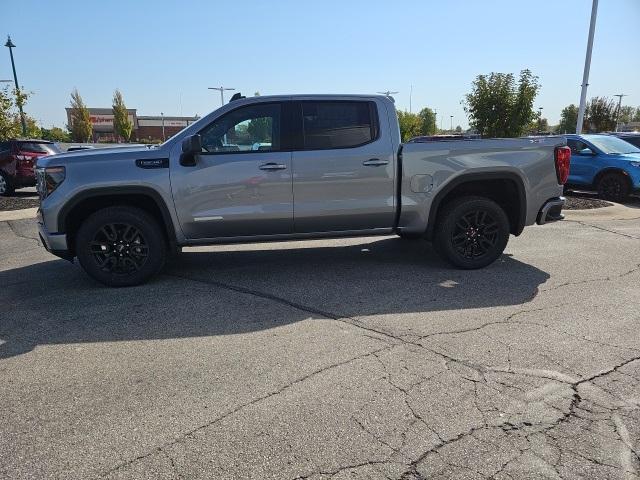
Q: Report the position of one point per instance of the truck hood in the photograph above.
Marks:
(100, 155)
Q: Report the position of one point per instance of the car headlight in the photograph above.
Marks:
(48, 179)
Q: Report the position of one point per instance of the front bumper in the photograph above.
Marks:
(55, 243)
(551, 211)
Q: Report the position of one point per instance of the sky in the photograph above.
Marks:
(163, 55)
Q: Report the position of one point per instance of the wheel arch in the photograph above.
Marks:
(83, 204)
(485, 184)
(608, 170)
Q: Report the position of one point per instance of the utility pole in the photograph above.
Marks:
(11, 46)
(163, 137)
(620, 95)
(539, 119)
(435, 120)
(410, 95)
(451, 123)
(221, 90)
(587, 67)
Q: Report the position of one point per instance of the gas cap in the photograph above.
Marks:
(421, 183)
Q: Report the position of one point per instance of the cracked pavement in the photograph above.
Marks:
(363, 358)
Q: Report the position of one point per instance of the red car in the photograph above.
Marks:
(17, 160)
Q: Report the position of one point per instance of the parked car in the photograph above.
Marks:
(328, 166)
(17, 161)
(604, 163)
(632, 137)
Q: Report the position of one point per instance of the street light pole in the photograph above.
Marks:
(587, 67)
(221, 90)
(620, 95)
(451, 116)
(539, 119)
(163, 137)
(11, 46)
(410, 95)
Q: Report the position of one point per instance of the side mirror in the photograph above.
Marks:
(586, 152)
(191, 146)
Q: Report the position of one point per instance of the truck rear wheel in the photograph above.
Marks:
(121, 246)
(472, 232)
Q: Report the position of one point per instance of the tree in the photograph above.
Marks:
(410, 125)
(458, 129)
(498, 107)
(259, 130)
(626, 114)
(55, 134)
(568, 119)
(8, 126)
(427, 121)
(122, 126)
(80, 121)
(600, 115)
(10, 122)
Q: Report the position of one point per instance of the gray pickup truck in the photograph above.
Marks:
(294, 167)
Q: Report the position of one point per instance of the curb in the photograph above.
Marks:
(18, 214)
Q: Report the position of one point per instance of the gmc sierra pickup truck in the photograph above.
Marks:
(294, 167)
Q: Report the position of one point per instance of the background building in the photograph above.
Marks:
(144, 127)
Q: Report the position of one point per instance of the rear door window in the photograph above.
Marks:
(35, 147)
(338, 124)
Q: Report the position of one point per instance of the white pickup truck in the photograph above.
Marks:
(294, 167)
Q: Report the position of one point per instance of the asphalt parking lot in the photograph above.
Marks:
(357, 358)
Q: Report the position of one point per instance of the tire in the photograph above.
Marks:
(111, 245)
(472, 232)
(6, 186)
(613, 186)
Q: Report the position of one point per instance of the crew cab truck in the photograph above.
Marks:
(294, 167)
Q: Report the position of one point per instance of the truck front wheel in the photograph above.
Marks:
(472, 232)
(120, 246)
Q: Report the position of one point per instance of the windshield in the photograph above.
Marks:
(610, 144)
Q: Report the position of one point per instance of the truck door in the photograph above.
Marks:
(241, 182)
(343, 167)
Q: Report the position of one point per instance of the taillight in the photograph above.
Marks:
(563, 161)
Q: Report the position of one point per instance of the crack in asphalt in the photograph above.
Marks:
(412, 471)
(18, 234)
(233, 411)
(592, 280)
(583, 223)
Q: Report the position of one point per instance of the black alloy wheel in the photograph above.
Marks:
(475, 233)
(613, 186)
(472, 232)
(119, 248)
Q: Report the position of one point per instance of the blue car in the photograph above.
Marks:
(604, 163)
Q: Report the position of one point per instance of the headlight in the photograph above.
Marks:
(48, 179)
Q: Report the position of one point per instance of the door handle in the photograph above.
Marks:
(273, 166)
(375, 162)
